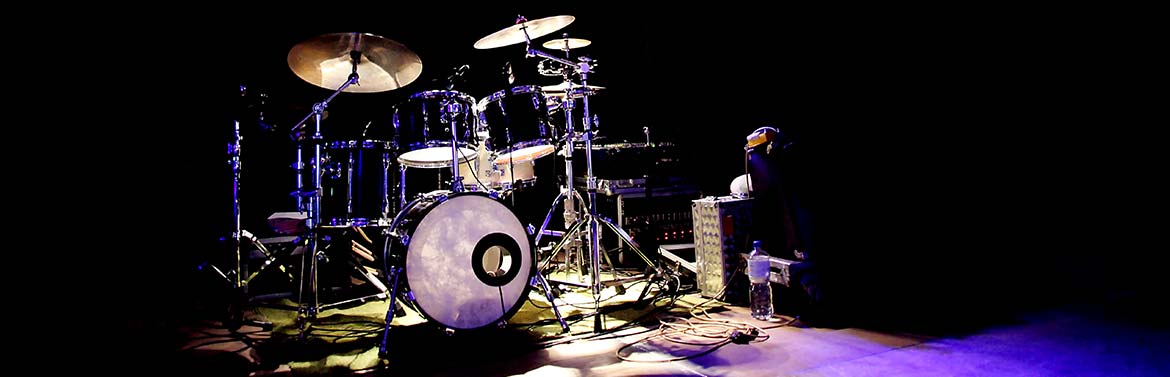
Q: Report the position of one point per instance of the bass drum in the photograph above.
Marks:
(466, 259)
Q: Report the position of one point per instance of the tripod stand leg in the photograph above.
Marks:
(568, 237)
(270, 258)
(629, 240)
(308, 310)
(548, 217)
(549, 295)
(393, 277)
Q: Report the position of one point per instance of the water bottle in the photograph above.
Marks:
(761, 289)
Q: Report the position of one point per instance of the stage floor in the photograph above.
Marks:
(659, 335)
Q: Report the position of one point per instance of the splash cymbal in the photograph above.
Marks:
(327, 61)
(566, 43)
(515, 34)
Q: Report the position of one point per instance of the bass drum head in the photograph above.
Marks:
(468, 262)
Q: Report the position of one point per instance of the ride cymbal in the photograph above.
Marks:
(515, 34)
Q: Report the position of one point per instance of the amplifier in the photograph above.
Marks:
(721, 231)
(652, 217)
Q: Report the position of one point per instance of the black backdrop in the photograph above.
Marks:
(965, 166)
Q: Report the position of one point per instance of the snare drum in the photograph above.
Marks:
(466, 259)
(517, 122)
(422, 128)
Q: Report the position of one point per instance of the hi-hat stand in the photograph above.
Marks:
(589, 222)
(235, 276)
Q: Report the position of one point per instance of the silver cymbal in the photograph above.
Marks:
(515, 34)
(566, 43)
(383, 64)
(559, 90)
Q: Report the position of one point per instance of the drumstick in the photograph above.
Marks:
(363, 234)
(361, 251)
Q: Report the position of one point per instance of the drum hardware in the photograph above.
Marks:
(590, 222)
(336, 61)
(564, 44)
(450, 110)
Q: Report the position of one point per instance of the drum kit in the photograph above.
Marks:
(490, 147)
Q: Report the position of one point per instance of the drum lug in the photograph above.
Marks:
(502, 324)
(449, 331)
(331, 170)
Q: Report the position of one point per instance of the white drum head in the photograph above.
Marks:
(437, 157)
(468, 262)
(525, 154)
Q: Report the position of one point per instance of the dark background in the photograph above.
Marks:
(956, 166)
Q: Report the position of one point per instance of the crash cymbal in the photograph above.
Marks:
(566, 43)
(383, 64)
(514, 34)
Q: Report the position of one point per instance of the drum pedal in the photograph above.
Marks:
(399, 311)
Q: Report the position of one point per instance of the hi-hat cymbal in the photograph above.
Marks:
(515, 34)
(564, 86)
(383, 64)
(566, 43)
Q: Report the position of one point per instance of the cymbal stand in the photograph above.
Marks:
(309, 310)
(591, 221)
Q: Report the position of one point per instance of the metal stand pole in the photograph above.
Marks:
(309, 310)
(590, 222)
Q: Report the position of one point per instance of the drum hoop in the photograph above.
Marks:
(443, 196)
(495, 97)
(360, 144)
